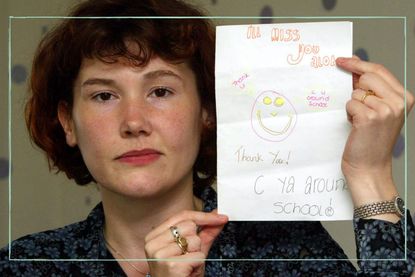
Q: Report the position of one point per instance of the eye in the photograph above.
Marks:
(161, 92)
(279, 101)
(267, 100)
(103, 96)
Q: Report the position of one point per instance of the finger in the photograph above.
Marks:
(194, 259)
(185, 229)
(373, 102)
(208, 235)
(393, 101)
(183, 265)
(383, 90)
(410, 101)
(359, 113)
(200, 218)
(359, 95)
(355, 78)
(172, 249)
(198, 257)
(360, 67)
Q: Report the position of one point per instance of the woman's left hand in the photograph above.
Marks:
(376, 123)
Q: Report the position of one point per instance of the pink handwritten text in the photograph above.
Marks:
(318, 99)
(240, 82)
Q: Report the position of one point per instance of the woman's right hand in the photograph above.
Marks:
(200, 230)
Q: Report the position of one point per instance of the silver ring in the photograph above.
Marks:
(175, 232)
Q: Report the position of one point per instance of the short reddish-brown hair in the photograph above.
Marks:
(60, 53)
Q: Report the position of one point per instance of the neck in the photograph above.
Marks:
(128, 220)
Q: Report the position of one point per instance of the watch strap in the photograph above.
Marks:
(383, 207)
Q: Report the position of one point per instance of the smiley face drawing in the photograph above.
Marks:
(273, 117)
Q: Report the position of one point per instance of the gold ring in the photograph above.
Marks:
(367, 93)
(182, 243)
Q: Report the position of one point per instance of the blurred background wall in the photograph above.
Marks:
(43, 200)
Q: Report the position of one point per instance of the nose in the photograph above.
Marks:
(135, 120)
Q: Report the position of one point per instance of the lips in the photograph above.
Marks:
(139, 157)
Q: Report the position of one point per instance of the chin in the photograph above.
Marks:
(142, 189)
(135, 188)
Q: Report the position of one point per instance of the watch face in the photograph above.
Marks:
(400, 206)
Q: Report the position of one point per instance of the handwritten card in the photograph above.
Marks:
(282, 124)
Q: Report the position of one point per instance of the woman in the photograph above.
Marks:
(129, 105)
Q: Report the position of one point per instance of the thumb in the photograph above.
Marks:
(209, 233)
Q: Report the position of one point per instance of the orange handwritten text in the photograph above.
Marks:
(253, 32)
(303, 49)
(278, 34)
(318, 61)
(240, 82)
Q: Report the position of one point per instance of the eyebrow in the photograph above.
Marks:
(98, 81)
(161, 73)
(149, 75)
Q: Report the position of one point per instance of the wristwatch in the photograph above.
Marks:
(396, 206)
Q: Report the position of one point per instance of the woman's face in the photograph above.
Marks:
(138, 128)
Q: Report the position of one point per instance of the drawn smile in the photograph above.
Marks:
(273, 117)
(272, 132)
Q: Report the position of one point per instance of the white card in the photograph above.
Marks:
(282, 124)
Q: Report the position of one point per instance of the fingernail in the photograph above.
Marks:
(222, 216)
(340, 60)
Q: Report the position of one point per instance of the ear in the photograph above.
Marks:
(205, 116)
(65, 119)
(207, 120)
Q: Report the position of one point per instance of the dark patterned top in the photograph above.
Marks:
(375, 239)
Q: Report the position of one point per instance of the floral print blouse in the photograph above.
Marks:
(242, 249)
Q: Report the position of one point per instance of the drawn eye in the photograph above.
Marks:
(279, 101)
(267, 100)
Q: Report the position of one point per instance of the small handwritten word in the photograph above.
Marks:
(280, 34)
(256, 184)
(253, 32)
(304, 209)
(242, 156)
(303, 49)
(240, 82)
(320, 185)
(288, 184)
(317, 61)
(277, 160)
(318, 100)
